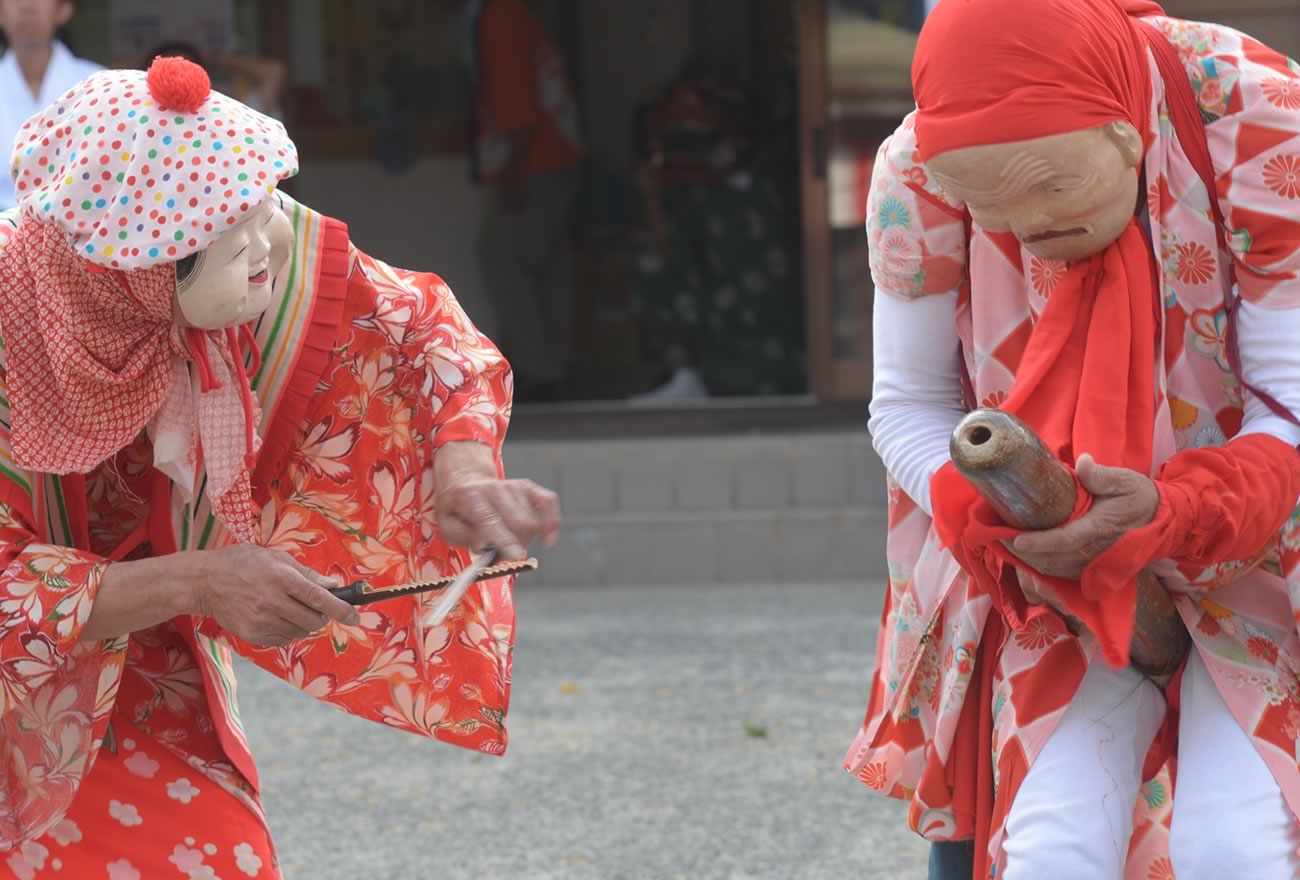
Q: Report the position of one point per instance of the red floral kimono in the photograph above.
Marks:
(128, 755)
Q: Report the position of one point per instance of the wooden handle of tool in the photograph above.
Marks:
(1030, 489)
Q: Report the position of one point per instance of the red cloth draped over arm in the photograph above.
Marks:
(1216, 505)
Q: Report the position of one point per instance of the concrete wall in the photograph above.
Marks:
(426, 219)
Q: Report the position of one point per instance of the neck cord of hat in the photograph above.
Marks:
(247, 337)
(245, 393)
(196, 341)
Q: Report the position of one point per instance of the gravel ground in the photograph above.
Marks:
(657, 732)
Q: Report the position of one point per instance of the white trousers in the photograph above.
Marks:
(1073, 815)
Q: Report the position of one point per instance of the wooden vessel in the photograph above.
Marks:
(1030, 489)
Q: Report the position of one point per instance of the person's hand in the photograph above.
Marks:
(480, 512)
(1123, 500)
(475, 509)
(1038, 593)
(264, 597)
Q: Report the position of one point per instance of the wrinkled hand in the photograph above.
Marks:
(1123, 500)
(265, 597)
(505, 514)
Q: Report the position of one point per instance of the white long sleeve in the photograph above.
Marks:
(1269, 341)
(916, 397)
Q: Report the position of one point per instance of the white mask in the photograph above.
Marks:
(231, 282)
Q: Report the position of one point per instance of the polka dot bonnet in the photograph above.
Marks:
(141, 169)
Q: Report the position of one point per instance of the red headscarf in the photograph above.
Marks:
(999, 71)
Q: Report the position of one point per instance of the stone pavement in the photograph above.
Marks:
(657, 732)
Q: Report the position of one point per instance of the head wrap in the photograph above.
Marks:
(1000, 71)
(117, 180)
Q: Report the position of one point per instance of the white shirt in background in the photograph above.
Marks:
(17, 104)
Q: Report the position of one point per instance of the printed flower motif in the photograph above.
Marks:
(28, 860)
(182, 790)
(1182, 413)
(190, 862)
(325, 454)
(1153, 792)
(414, 710)
(127, 814)
(1208, 437)
(899, 255)
(1282, 175)
(122, 870)
(1211, 95)
(994, 400)
(140, 764)
(1036, 635)
(1209, 625)
(916, 175)
(1263, 648)
(894, 213)
(1161, 869)
(1284, 93)
(1153, 199)
(965, 659)
(874, 776)
(1291, 532)
(1209, 337)
(1045, 275)
(1194, 264)
(66, 833)
(246, 860)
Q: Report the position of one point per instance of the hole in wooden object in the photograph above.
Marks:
(979, 435)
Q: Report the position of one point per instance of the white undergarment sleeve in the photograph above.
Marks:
(1269, 341)
(916, 397)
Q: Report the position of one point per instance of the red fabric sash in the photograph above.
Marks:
(1085, 383)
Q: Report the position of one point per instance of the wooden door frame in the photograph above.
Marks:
(815, 195)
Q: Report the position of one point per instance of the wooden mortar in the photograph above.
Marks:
(1030, 489)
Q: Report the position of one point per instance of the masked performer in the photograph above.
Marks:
(1092, 220)
(216, 409)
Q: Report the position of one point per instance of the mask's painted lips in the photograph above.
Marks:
(1048, 236)
(260, 278)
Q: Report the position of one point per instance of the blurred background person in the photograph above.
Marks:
(718, 287)
(36, 68)
(256, 82)
(530, 150)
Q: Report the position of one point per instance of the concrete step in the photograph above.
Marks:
(724, 509)
(761, 546)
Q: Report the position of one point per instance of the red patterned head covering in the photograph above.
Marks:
(1000, 71)
(117, 180)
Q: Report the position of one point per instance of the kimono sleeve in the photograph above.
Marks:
(469, 377)
(1251, 95)
(917, 234)
(356, 501)
(56, 692)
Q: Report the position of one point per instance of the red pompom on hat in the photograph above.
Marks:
(178, 84)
